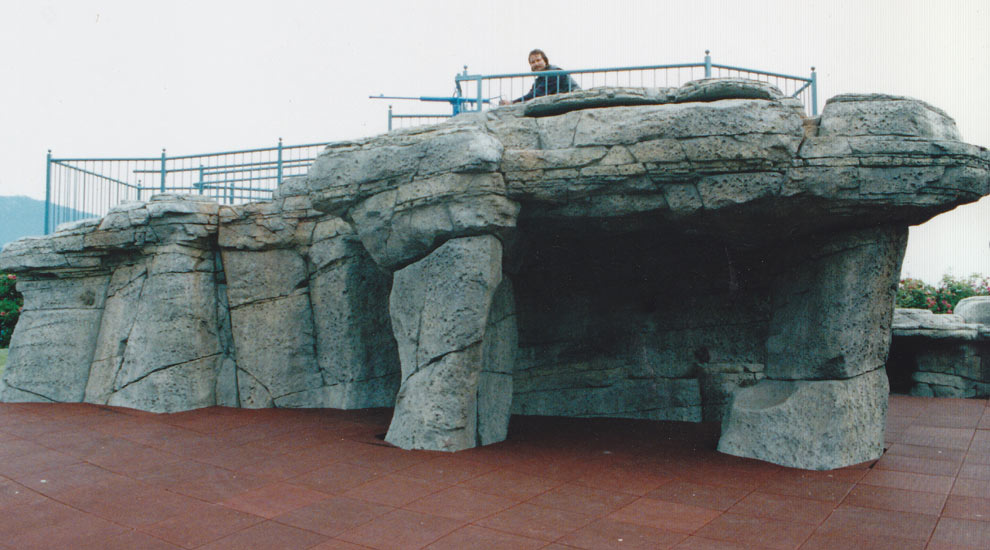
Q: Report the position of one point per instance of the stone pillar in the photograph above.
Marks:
(159, 347)
(824, 402)
(53, 343)
(455, 329)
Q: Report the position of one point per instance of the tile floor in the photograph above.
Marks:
(83, 476)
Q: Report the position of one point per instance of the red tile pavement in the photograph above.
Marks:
(86, 477)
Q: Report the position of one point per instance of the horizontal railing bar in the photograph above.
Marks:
(255, 178)
(95, 175)
(264, 165)
(167, 158)
(767, 73)
(445, 115)
(214, 186)
(285, 165)
(221, 190)
(129, 159)
(221, 153)
(562, 72)
(194, 188)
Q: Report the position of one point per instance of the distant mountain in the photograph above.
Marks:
(20, 217)
(25, 217)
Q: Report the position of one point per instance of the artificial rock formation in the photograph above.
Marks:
(942, 355)
(699, 253)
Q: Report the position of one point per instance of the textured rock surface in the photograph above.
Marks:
(814, 425)
(132, 297)
(831, 312)
(942, 355)
(975, 309)
(440, 310)
(161, 307)
(665, 248)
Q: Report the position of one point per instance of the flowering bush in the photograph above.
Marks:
(915, 293)
(11, 304)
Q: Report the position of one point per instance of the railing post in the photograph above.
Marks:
(708, 64)
(389, 118)
(202, 180)
(279, 161)
(48, 190)
(814, 92)
(478, 84)
(163, 170)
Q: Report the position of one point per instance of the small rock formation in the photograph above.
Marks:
(942, 355)
(699, 253)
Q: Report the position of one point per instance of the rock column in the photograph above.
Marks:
(449, 313)
(824, 402)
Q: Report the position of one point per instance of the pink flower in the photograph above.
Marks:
(12, 277)
(3, 313)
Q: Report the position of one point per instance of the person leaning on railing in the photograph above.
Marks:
(545, 85)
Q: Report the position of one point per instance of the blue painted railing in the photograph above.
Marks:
(77, 188)
(474, 91)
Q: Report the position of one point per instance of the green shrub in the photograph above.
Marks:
(915, 293)
(11, 304)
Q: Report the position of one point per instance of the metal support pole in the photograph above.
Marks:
(163, 170)
(478, 105)
(48, 191)
(814, 92)
(279, 161)
(202, 180)
(389, 118)
(708, 64)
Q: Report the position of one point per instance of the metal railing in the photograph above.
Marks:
(488, 89)
(407, 121)
(77, 188)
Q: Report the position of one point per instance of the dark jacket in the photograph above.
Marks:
(549, 85)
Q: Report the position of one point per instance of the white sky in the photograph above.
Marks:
(126, 78)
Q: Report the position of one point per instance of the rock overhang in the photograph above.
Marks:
(710, 157)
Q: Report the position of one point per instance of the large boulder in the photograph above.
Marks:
(814, 425)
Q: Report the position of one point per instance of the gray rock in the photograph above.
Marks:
(273, 363)
(813, 425)
(668, 249)
(878, 114)
(123, 301)
(922, 322)
(400, 226)
(975, 309)
(597, 98)
(50, 355)
(941, 354)
(354, 346)
(714, 89)
(498, 357)
(440, 308)
(832, 311)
